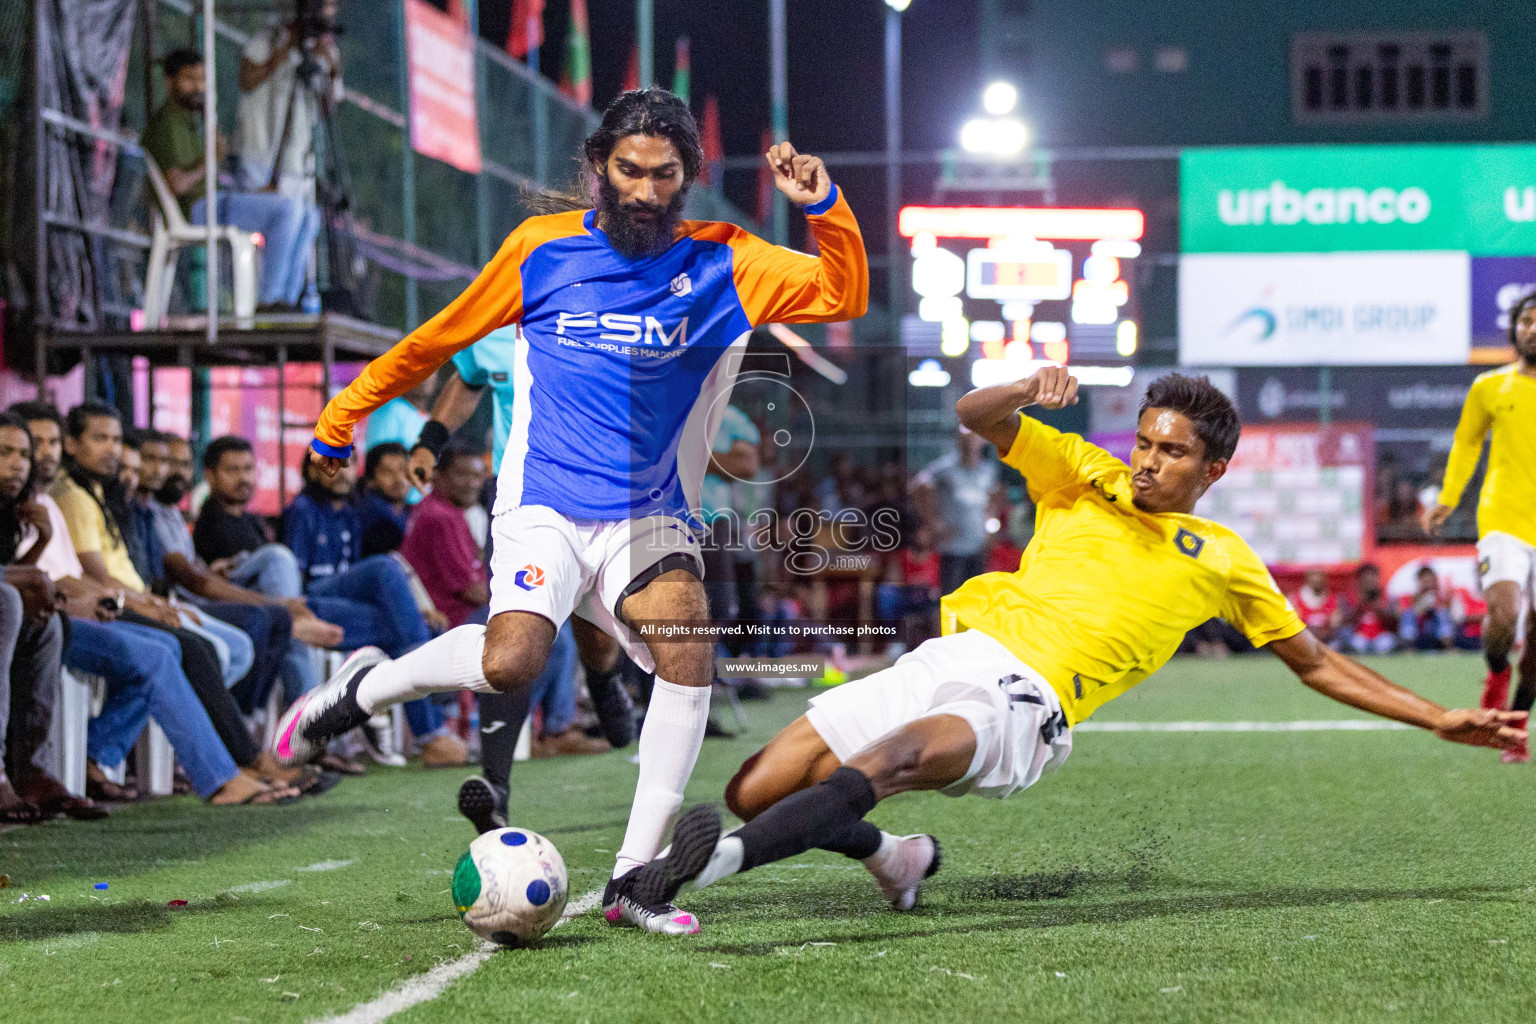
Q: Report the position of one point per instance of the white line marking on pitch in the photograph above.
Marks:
(260, 886)
(425, 987)
(1321, 725)
(328, 865)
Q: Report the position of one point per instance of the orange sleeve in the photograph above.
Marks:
(494, 299)
(779, 285)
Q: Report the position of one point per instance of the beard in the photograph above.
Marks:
(172, 491)
(636, 238)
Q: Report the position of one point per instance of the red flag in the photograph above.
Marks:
(765, 186)
(714, 149)
(632, 70)
(524, 11)
(576, 75)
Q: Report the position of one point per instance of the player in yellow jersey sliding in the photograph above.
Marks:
(1118, 571)
(1502, 402)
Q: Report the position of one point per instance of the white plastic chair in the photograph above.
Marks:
(172, 233)
(70, 723)
(81, 700)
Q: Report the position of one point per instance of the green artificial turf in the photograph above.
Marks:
(1314, 876)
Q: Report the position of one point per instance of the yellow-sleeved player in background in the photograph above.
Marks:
(1502, 402)
(1118, 571)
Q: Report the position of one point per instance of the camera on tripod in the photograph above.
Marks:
(316, 18)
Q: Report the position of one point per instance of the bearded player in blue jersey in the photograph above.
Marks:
(627, 318)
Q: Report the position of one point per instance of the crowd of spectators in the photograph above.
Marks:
(1365, 620)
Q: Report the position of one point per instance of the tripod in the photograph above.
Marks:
(333, 183)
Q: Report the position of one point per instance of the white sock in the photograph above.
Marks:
(724, 862)
(878, 860)
(669, 746)
(454, 661)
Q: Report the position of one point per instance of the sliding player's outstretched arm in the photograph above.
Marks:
(1349, 682)
(494, 299)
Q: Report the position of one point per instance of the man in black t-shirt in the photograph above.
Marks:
(232, 540)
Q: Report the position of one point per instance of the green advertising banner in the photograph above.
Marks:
(1475, 199)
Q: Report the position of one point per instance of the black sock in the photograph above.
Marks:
(821, 816)
(1525, 694)
(498, 741)
(861, 840)
(1497, 662)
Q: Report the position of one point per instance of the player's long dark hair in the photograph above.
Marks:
(650, 111)
(1212, 412)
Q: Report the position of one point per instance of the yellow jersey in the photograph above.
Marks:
(1105, 592)
(1503, 401)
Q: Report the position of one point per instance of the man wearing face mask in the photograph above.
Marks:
(629, 318)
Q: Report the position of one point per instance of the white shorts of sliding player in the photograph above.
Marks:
(1021, 732)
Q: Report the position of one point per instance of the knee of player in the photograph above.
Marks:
(748, 794)
(511, 671)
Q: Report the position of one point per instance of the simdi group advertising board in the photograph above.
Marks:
(1365, 255)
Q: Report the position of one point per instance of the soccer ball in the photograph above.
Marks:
(510, 887)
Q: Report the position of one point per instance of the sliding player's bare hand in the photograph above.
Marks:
(803, 179)
(1485, 727)
(1050, 387)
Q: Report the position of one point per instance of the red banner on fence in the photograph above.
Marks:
(442, 67)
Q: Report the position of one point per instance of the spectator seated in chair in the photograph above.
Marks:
(370, 598)
(140, 664)
(174, 138)
(31, 649)
(285, 627)
(381, 508)
(94, 508)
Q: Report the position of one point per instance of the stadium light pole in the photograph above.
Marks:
(645, 39)
(211, 171)
(893, 160)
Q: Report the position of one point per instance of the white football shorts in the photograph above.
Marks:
(550, 564)
(1505, 558)
(1021, 732)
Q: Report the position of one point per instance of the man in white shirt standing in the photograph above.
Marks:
(272, 96)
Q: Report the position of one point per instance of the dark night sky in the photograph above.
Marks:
(835, 72)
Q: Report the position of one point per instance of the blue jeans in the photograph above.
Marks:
(235, 649)
(373, 604)
(272, 570)
(287, 225)
(555, 689)
(142, 667)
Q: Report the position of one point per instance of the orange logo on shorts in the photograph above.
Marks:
(529, 577)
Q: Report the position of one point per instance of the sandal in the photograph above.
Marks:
(340, 765)
(244, 789)
(99, 787)
(52, 799)
(14, 810)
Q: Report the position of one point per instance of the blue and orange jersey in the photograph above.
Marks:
(620, 366)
